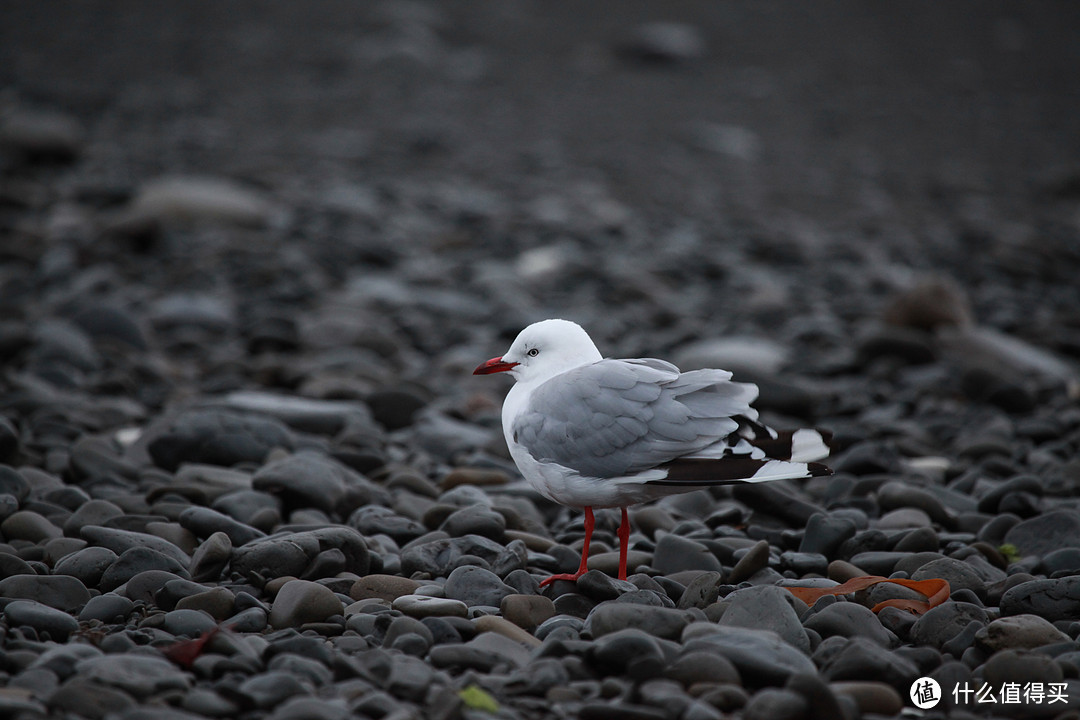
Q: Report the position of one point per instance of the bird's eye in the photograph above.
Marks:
(533, 353)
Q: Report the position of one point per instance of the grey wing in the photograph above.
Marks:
(618, 417)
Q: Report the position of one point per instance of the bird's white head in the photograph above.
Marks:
(543, 350)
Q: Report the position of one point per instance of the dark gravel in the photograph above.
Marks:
(250, 253)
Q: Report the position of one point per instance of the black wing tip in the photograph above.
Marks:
(727, 471)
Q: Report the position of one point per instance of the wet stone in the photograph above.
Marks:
(14, 565)
(121, 540)
(476, 586)
(29, 526)
(1050, 599)
(376, 520)
(702, 591)
(1021, 666)
(803, 563)
(62, 592)
(138, 560)
(527, 611)
(756, 559)
(13, 483)
(204, 522)
(107, 607)
(863, 659)
(1019, 632)
(188, 623)
(44, 619)
(440, 557)
(270, 689)
(422, 606)
(702, 667)
(308, 479)
(776, 704)
(386, 587)
(250, 620)
(1045, 533)
(632, 652)
(960, 575)
(761, 656)
(218, 438)
(674, 553)
(942, 623)
(599, 586)
(146, 585)
(276, 556)
(140, 675)
(82, 697)
(846, 619)
(766, 607)
(211, 557)
(870, 697)
(9, 504)
(219, 602)
(247, 505)
(301, 601)
(613, 616)
(475, 520)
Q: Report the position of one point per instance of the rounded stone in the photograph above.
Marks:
(108, 608)
(1051, 599)
(629, 651)
(138, 560)
(870, 697)
(475, 520)
(527, 611)
(942, 623)
(30, 526)
(755, 559)
(121, 540)
(56, 623)
(766, 607)
(204, 522)
(1019, 632)
(776, 704)
(302, 601)
(476, 586)
(959, 574)
(385, 587)
(675, 553)
(702, 667)
(219, 603)
(1045, 533)
(141, 675)
(62, 592)
(848, 619)
(187, 623)
(1022, 667)
(422, 606)
(211, 557)
(612, 616)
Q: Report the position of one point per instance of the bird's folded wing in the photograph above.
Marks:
(618, 417)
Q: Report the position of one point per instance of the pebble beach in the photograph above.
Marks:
(250, 255)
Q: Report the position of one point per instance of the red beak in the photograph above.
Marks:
(494, 365)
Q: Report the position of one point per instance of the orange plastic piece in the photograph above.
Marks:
(935, 590)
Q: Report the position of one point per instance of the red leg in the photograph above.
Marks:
(624, 541)
(590, 523)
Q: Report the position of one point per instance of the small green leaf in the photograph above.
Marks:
(476, 698)
(1010, 552)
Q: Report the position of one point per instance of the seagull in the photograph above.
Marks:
(589, 432)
